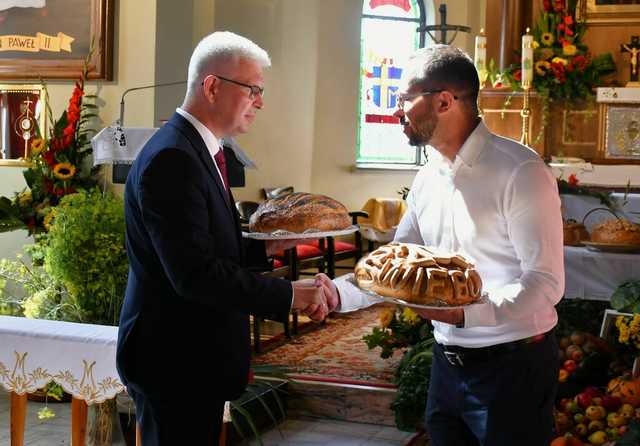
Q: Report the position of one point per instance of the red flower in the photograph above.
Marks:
(580, 62)
(558, 71)
(69, 130)
(558, 5)
(568, 20)
(573, 180)
(517, 75)
(50, 157)
(546, 4)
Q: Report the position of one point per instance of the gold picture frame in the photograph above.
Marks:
(609, 12)
(619, 133)
(23, 108)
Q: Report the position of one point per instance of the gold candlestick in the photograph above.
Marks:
(526, 114)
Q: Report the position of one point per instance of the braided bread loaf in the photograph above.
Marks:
(418, 275)
(621, 232)
(298, 212)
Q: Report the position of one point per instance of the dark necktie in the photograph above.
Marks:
(222, 165)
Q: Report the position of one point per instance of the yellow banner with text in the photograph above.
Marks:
(39, 42)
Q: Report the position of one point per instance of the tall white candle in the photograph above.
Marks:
(527, 59)
(480, 56)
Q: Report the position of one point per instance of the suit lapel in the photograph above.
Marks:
(185, 127)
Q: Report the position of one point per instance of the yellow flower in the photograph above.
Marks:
(542, 66)
(25, 198)
(569, 50)
(37, 145)
(410, 316)
(386, 317)
(559, 60)
(535, 44)
(64, 171)
(547, 39)
(47, 219)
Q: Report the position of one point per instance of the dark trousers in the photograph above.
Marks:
(504, 399)
(168, 419)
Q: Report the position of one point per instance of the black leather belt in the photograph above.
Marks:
(457, 355)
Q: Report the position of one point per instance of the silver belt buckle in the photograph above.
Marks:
(454, 358)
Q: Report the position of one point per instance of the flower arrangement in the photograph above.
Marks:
(563, 67)
(629, 330)
(400, 328)
(56, 165)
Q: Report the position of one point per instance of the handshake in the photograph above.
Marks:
(315, 298)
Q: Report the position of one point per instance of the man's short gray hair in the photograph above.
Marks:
(218, 48)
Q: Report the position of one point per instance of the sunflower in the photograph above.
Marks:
(547, 39)
(37, 145)
(542, 66)
(64, 171)
(410, 316)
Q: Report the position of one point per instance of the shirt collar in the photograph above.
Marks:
(474, 145)
(210, 140)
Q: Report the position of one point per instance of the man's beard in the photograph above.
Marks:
(421, 133)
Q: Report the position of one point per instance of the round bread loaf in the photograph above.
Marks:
(300, 212)
(574, 233)
(419, 275)
(615, 231)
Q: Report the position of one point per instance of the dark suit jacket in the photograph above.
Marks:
(189, 292)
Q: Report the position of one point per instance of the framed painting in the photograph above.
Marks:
(49, 39)
(611, 11)
(619, 133)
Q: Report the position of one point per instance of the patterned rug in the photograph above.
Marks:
(335, 352)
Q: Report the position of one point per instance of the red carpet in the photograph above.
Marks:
(335, 352)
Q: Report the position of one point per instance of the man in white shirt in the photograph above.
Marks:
(495, 367)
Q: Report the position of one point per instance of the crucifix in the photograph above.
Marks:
(633, 48)
(443, 27)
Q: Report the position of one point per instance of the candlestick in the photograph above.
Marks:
(480, 62)
(526, 115)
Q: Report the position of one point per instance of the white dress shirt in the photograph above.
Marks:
(210, 140)
(497, 204)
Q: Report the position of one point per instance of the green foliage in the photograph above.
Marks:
(572, 188)
(85, 251)
(400, 328)
(580, 315)
(626, 298)
(412, 379)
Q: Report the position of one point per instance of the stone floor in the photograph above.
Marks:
(293, 432)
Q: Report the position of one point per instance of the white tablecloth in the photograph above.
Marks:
(596, 275)
(79, 357)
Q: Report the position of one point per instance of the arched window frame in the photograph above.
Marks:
(426, 11)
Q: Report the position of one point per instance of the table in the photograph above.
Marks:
(79, 357)
(595, 275)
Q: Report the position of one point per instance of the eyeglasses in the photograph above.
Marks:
(255, 90)
(401, 98)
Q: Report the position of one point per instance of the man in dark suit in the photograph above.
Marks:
(183, 344)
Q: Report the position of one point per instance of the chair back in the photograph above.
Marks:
(245, 209)
(275, 192)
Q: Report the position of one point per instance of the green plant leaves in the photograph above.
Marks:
(626, 298)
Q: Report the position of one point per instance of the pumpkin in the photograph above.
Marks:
(566, 440)
(627, 388)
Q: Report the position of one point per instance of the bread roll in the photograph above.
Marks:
(300, 212)
(618, 232)
(419, 275)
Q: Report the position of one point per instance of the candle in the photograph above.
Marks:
(480, 57)
(527, 60)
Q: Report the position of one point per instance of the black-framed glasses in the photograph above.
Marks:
(401, 98)
(255, 90)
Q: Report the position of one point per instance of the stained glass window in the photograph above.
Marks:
(388, 37)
